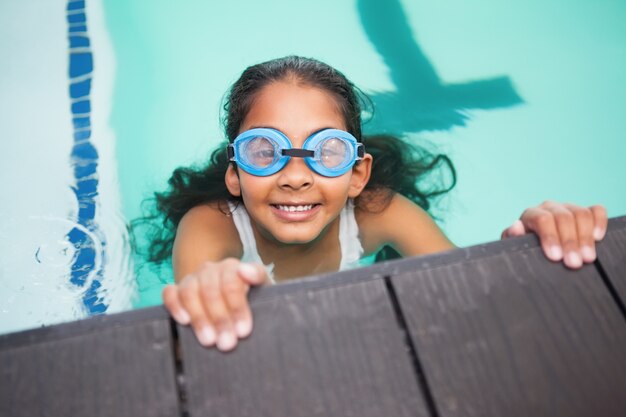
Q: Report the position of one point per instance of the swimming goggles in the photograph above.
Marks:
(265, 151)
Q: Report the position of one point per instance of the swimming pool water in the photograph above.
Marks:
(526, 97)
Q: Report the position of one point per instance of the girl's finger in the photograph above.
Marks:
(173, 305)
(584, 229)
(235, 291)
(253, 274)
(200, 322)
(516, 229)
(542, 222)
(568, 236)
(601, 221)
(217, 310)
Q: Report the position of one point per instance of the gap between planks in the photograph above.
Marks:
(179, 371)
(418, 370)
(609, 285)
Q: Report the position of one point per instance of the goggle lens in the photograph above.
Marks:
(260, 152)
(334, 152)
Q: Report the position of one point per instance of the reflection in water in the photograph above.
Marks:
(421, 101)
(48, 296)
(56, 254)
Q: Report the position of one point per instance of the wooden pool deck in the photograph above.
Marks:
(491, 330)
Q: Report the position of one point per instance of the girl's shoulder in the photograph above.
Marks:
(205, 233)
(212, 221)
(403, 225)
(211, 211)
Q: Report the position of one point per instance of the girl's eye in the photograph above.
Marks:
(333, 152)
(260, 152)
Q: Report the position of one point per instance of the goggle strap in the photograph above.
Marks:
(230, 152)
(298, 153)
(360, 150)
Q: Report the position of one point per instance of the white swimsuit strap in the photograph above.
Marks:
(351, 248)
(250, 252)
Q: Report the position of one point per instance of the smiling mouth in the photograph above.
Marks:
(294, 208)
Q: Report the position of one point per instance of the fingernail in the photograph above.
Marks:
(182, 317)
(243, 328)
(556, 253)
(589, 254)
(248, 270)
(598, 234)
(226, 341)
(573, 260)
(206, 336)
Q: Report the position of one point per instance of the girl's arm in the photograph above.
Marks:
(403, 225)
(204, 234)
(567, 232)
(211, 282)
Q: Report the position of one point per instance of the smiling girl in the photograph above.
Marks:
(298, 191)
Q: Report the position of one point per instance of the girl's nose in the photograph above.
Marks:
(295, 175)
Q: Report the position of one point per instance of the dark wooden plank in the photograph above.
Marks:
(511, 334)
(498, 334)
(317, 350)
(612, 256)
(118, 365)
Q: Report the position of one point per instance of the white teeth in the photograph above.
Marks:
(294, 208)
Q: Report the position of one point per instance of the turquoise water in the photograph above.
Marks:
(526, 97)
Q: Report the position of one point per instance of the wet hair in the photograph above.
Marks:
(398, 166)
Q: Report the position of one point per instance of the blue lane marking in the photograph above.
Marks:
(79, 41)
(80, 64)
(82, 135)
(81, 107)
(80, 122)
(75, 5)
(80, 89)
(84, 160)
(76, 18)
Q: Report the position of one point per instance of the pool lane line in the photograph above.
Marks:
(84, 161)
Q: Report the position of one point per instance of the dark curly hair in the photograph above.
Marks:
(398, 167)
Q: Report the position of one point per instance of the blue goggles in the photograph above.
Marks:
(264, 151)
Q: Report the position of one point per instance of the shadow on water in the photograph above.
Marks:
(421, 100)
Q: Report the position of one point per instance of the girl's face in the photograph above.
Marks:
(295, 205)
